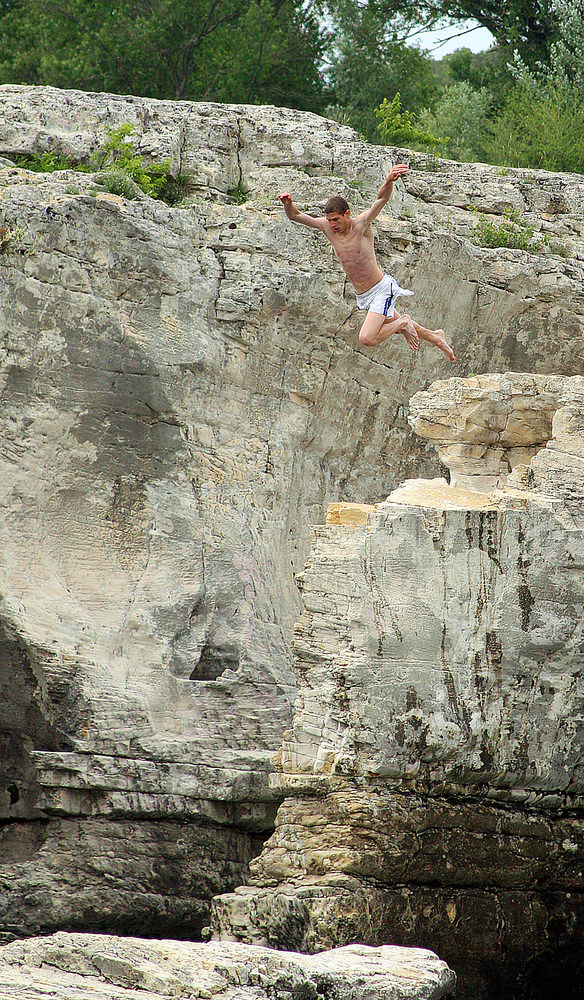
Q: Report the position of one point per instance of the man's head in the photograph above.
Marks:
(338, 213)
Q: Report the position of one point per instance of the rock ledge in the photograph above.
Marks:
(95, 967)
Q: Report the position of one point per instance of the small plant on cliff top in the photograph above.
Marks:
(13, 239)
(118, 157)
(123, 170)
(48, 162)
(513, 232)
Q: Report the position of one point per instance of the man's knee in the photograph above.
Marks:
(367, 339)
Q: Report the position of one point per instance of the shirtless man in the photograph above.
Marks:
(352, 240)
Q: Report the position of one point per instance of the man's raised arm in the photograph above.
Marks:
(295, 215)
(384, 193)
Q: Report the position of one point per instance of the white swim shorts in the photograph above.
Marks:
(381, 297)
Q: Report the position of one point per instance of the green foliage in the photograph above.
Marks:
(540, 127)
(463, 115)
(541, 124)
(238, 195)
(13, 239)
(366, 63)
(119, 156)
(48, 162)
(117, 181)
(566, 65)
(513, 232)
(399, 128)
(123, 170)
(265, 51)
(175, 189)
(524, 24)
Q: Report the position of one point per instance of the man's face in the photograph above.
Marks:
(340, 223)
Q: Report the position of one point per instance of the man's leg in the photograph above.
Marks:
(378, 328)
(435, 337)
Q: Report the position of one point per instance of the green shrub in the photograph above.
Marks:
(540, 126)
(118, 154)
(117, 181)
(175, 189)
(48, 162)
(13, 239)
(462, 114)
(123, 170)
(399, 127)
(237, 194)
(513, 232)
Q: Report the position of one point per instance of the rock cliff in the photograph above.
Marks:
(434, 774)
(182, 393)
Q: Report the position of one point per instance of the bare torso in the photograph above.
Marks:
(354, 249)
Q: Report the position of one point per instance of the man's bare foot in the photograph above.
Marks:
(409, 331)
(440, 342)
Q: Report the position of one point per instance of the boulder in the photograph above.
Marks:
(98, 967)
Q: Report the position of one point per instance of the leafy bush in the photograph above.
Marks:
(462, 113)
(48, 162)
(13, 239)
(513, 232)
(542, 122)
(366, 63)
(541, 127)
(119, 156)
(399, 127)
(123, 170)
(237, 194)
(117, 181)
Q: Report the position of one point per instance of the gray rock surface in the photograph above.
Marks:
(515, 429)
(182, 393)
(92, 967)
(434, 774)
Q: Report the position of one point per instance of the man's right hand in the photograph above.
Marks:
(285, 198)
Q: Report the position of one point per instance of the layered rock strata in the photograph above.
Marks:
(182, 393)
(92, 967)
(434, 774)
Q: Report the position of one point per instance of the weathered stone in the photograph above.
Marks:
(434, 774)
(92, 967)
(486, 427)
(182, 393)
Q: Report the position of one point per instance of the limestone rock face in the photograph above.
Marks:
(434, 774)
(92, 967)
(488, 427)
(182, 393)
(174, 413)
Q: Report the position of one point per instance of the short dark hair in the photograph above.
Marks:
(336, 204)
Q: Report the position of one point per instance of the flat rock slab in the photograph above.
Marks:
(100, 967)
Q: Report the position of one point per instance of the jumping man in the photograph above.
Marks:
(352, 240)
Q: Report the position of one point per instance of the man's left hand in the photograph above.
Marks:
(397, 171)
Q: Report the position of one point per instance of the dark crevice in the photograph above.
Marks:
(214, 661)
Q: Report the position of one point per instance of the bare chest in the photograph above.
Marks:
(354, 249)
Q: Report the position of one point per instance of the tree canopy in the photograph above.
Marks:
(368, 64)
(528, 24)
(251, 51)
